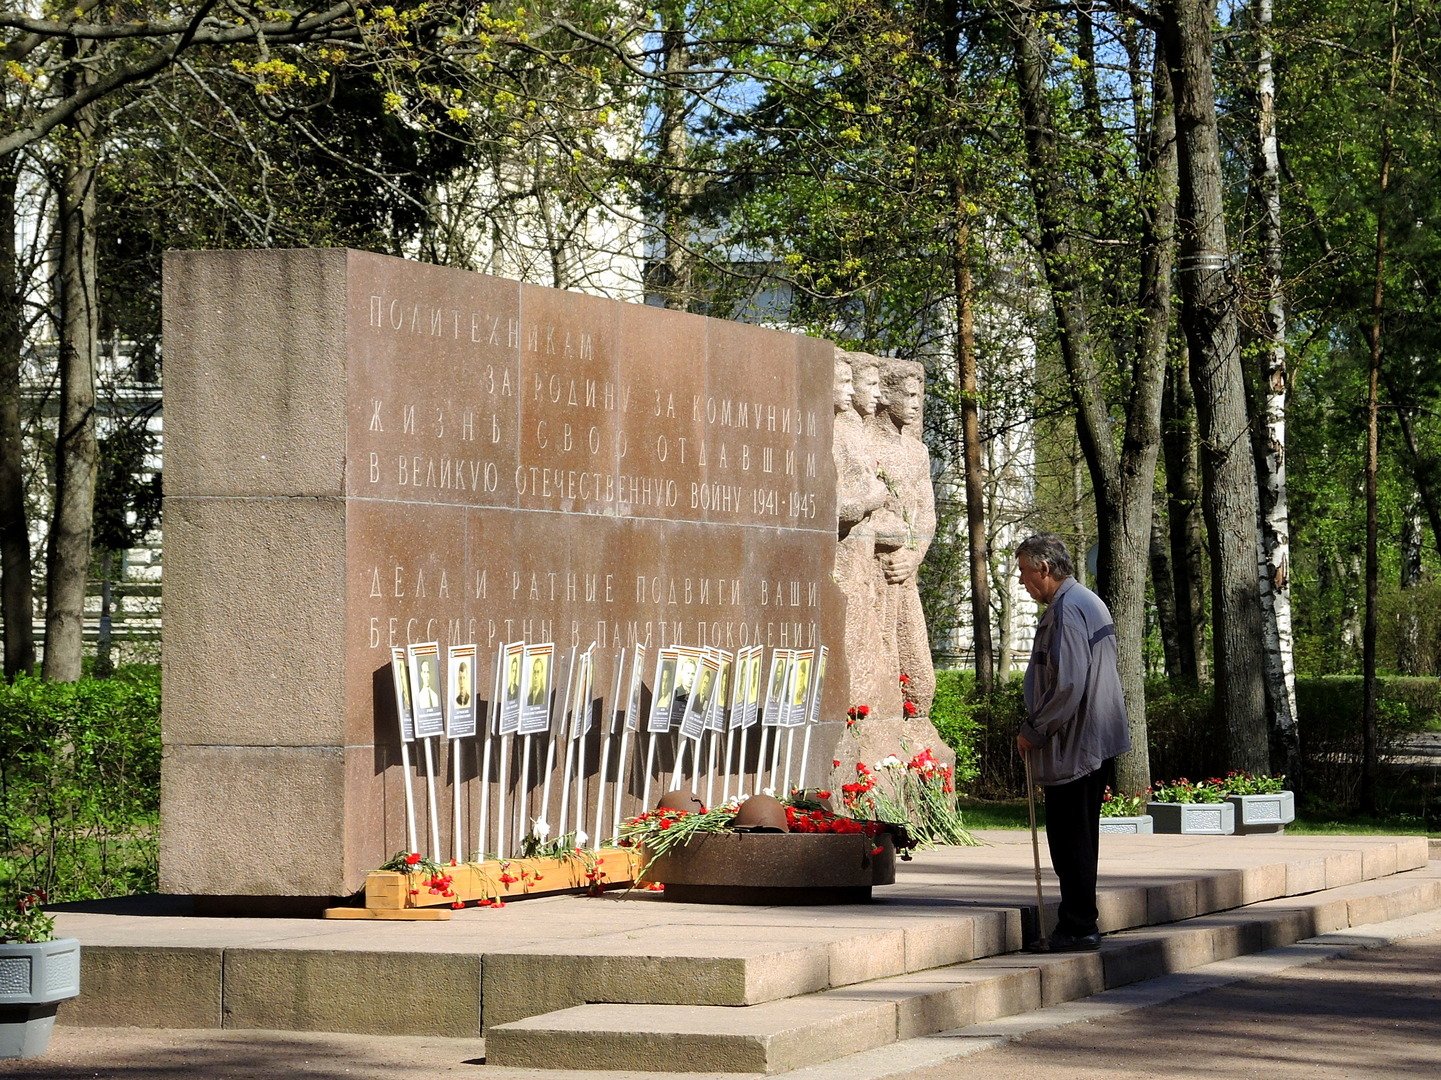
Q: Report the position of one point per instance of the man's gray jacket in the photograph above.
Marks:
(1077, 714)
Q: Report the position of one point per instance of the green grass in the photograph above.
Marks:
(998, 814)
(1359, 825)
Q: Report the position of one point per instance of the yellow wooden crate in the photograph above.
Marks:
(501, 879)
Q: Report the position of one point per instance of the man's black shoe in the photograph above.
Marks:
(1061, 942)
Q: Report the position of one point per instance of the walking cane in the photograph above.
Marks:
(1040, 943)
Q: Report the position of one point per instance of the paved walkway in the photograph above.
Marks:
(1365, 1003)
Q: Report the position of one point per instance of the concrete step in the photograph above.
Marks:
(779, 1035)
(732, 966)
(152, 962)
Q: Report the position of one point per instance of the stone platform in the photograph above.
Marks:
(635, 982)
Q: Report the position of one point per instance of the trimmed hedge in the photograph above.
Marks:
(1184, 740)
(80, 784)
(954, 715)
(983, 734)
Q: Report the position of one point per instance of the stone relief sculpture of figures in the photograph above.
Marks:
(887, 517)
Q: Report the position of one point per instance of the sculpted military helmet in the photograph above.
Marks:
(761, 813)
(680, 799)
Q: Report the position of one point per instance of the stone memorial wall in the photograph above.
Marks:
(364, 452)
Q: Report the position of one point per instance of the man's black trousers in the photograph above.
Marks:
(1073, 833)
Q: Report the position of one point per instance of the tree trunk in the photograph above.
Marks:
(1163, 586)
(17, 601)
(1421, 468)
(1270, 431)
(1208, 316)
(978, 545)
(104, 661)
(1414, 658)
(1123, 480)
(1370, 764)
(672, 277)
(1183, 502)
(76, 455)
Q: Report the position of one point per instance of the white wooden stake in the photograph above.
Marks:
(566, 732)
(522, 812)
(710, 770)
(681, 743)
(430, 798)
(606, 737)
(409, 797)
(741, 763)
(649, 764)
(492, 722)
(805, 753)
(761, 759)
(502, 796)
(456, 836)
(551, 737)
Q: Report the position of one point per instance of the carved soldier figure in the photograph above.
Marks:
(859, 493)
(857, 389)
(905, 459)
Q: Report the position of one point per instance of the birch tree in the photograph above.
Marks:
(1270, 426)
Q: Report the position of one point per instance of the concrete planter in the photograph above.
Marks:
(1264, 813)
(1194, 819)
(1128, 826)
(34, 979)
(776, 868)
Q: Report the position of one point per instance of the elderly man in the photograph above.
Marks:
(1075, 727)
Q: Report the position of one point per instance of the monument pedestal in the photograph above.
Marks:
(364, 452)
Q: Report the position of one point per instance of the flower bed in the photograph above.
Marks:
(1239, 802)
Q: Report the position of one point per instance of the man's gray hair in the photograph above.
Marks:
(1050, 549)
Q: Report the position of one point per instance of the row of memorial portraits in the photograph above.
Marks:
(693, 690)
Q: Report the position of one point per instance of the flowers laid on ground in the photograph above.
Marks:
(820, 820)
(664, 829)
(23, 920)
(535, 845)
(1185, 791)
(411, 862)
(919, 794)
(856, 713)
(1114, 804)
